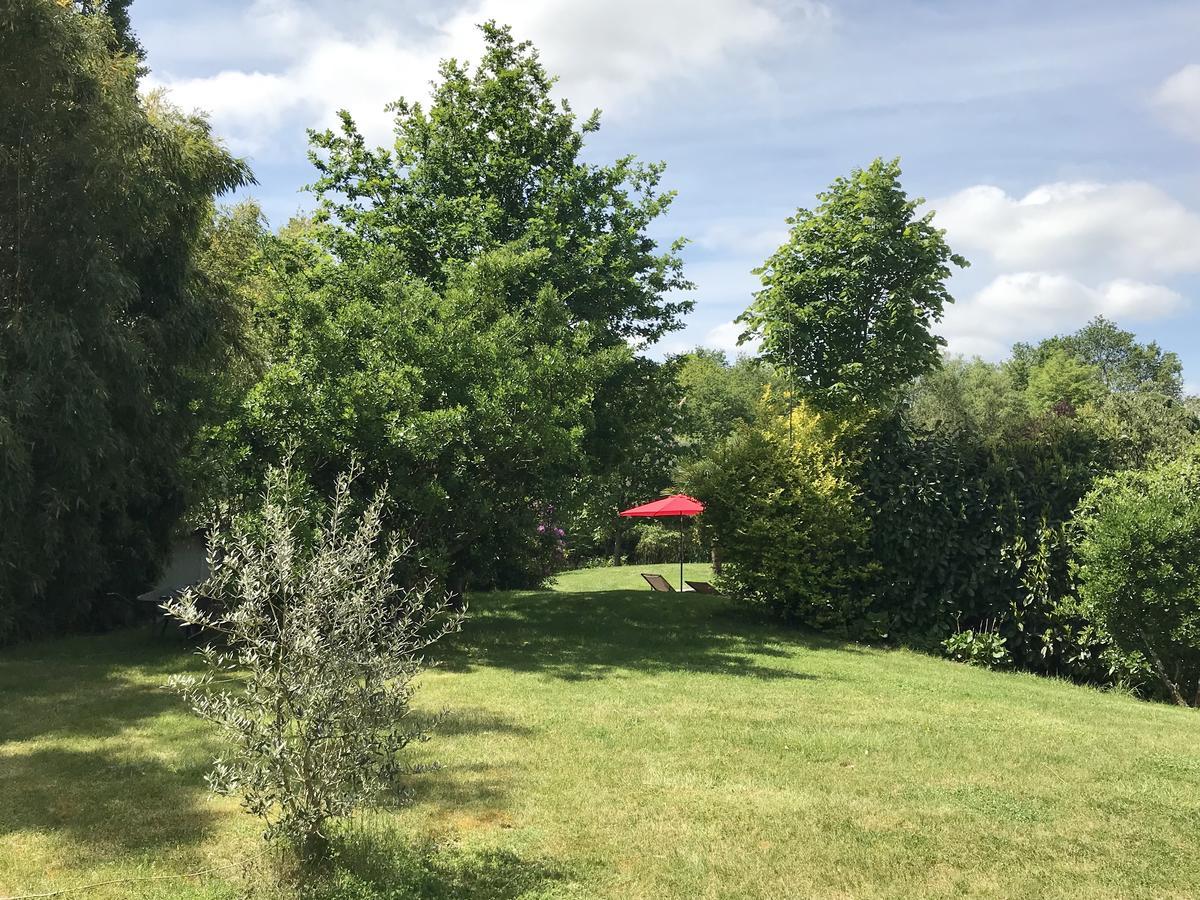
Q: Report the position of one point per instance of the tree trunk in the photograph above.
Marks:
(314, 850)
(715, 555)
(1171, 686)
(616, 548)
(456, 587)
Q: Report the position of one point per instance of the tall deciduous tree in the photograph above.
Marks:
(495, 160)
(968, 395)
(106, 327)
(1122, 364)
(1061, 378)
(848, 303)
(459, 314)
(472, 411)
(717, 396)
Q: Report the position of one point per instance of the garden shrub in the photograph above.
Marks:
(1138, 567)
(310, 685)
(983, 647)
(658, 542)
(780, 504)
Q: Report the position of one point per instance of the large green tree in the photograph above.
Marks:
(469, 410)
(848, 302)
(107, 326)
(1062, 380)
(717, 396)
(1144, 428)
(967, 395)
(1121, 362)
(496, 160)
(459, 314)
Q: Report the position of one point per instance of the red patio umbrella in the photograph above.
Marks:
(678, 505)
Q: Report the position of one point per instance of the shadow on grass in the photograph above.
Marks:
(461, 721)
(104, 803)
(104, 795)
(381, 864)
(78, 687)
(469, 790)
(591, 634)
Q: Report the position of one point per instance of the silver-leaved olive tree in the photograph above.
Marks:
(314, 649)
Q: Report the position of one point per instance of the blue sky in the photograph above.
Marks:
(1059, 141)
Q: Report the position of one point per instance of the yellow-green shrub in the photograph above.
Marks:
(780, 506)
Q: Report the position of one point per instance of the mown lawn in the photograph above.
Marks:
(610, 742)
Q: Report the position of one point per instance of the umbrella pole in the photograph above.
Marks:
(681, 553)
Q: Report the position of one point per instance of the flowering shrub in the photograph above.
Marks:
(550, 541)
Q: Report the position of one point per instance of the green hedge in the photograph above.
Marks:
(970, 535)
(939, 539)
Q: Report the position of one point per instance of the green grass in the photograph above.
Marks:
(628, 578)
(607, 741)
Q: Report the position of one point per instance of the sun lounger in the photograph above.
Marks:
(701, 587)
(657, 582)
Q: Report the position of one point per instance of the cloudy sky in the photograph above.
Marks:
(1058, 141)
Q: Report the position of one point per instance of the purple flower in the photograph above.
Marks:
(541, 528)
(559, 532)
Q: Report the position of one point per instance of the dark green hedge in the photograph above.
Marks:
(969, 534)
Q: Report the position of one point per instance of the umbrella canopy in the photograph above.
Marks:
(675, 505)
(679, 505)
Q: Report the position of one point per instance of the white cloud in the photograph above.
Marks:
(249, 108)
(750, 239)
(245, 107)
(725, 337)
(1089, 229)
(1031, 305)
(1048, 261)
(1138, 302)
(1178, 101)
(609, 53)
